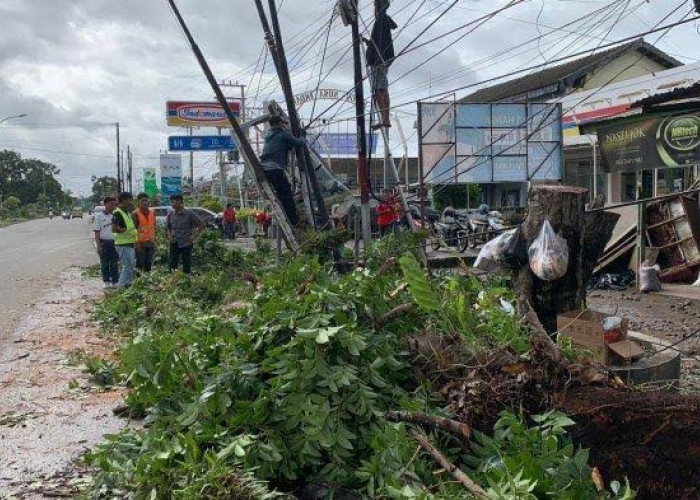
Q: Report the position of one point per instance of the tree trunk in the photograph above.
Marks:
(586, 234)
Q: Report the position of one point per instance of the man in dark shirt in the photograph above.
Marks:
(183, 227)
(275, 161)
(380, 55)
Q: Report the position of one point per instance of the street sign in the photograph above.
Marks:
(170, 175)
(201, 143)
(199, 114)
(149, 182)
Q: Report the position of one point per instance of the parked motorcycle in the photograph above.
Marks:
(452, 231)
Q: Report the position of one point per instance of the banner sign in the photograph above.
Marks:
(199, 114)
(652, 142)
(170, 175)
(324, 94)
(150, 187)
(201, 143)
(485, 143)
(342, 144)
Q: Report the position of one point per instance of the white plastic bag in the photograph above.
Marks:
(490, 255)
(549, 254)
(649, 277)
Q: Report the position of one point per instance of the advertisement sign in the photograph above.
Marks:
(170, 175)
(342, 144)
(201, 143)
(484, 143)
(652, 142)
(149, 182)
(199, 114)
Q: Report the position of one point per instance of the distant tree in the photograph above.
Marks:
(101, 187)
(211, 203)
(12, 203)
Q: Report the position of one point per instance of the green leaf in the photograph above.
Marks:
(418, 284)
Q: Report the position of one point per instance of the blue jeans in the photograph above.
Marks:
(127, 257)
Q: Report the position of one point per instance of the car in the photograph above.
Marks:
(76, 212)
(207, 216)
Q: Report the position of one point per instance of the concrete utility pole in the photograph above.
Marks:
(279, 58)
(349, 14)
(119, 165)
(129, 173)
(191, 167)
(246, 149)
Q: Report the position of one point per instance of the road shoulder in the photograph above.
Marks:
(51, 411)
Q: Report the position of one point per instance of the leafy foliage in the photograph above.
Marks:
(283, 378)
(536, 462)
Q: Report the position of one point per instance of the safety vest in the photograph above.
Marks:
(147, 225)
(130, 236)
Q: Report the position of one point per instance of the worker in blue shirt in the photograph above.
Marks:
(275, 162)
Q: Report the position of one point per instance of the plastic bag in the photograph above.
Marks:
(649, 278)
(490, 257)
(549, 254)
(515, 251)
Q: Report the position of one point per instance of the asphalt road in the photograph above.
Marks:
(32, 256)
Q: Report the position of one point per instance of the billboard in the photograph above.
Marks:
(342, 144)
(492, 142)
(170, 175)
(199, 114)
(659, 141)
(149, 182)
(201, 143)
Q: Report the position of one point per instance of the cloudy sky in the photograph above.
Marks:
(78, 66)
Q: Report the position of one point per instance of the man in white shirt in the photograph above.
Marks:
(104, 242)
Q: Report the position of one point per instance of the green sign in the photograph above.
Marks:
(149, 182)
(652, 142)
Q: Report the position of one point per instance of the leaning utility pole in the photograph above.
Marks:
(245, 148)
(279, 58)
(128, 175)
(349, 14)
(119, 166)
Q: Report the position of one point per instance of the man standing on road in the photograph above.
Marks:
(104, 242)
(275, 161)
(183, 226)
(146, 224)
(125, 237)
(229, 222)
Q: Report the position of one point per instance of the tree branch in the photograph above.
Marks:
(454, 471)
(458, 429)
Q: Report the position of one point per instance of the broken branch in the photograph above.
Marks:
(454, 471)
(459, 429)
(394, 314)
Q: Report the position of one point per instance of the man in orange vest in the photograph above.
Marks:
(146, 225)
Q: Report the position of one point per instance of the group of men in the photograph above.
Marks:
(125, 237)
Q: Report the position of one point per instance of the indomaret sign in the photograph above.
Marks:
(324, 94)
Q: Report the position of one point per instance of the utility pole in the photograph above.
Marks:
(122, 164)
(278, 56)
(349, 14)
(245, 147)
(119, 166)
(191, 168)
(128, 160)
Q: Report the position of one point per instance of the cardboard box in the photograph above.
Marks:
(585, 328)
(626, 351)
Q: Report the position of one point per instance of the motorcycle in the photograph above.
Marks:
(452, 231)
(51, 215)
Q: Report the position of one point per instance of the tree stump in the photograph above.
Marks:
(586, 234)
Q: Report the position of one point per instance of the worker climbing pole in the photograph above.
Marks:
(244, 145)
(307, 172)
